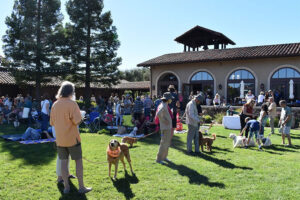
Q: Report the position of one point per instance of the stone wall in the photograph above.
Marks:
(211, 110)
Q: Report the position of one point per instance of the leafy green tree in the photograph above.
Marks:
(92, 44)
(140, 74)
(30, 42)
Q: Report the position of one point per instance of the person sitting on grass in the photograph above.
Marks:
(35, 134)
(285, 122)
(254, 127)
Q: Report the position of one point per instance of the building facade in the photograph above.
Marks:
(261, 68)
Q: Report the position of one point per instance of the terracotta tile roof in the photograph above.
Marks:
(243, 53)
(7, 79)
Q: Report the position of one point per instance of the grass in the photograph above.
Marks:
(28, 171)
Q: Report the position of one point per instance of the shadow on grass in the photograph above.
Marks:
(32, 154)
(123, 185)
(276, 147)
(73, 195)
(193, 175)
(223, 163)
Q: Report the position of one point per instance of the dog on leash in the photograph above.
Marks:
(129, 140)
(240, 141)
(117, 151)
(206, 141)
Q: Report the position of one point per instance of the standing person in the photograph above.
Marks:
(45, 112)
(247, 111)
(263, 118)
(260, 98)
(193, 121)
(174, 106)
(157, 102)
(119, 114)
(285, 122)
(65, 117)
(217, 100)
(165, 120)
(137, 108)
(127, 105)
(272, 113)
(147, 106)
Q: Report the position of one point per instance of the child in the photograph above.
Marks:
(254, 126)
(263, 117)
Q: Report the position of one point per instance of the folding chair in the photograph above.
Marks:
(92, 121)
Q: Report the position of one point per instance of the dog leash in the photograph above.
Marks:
(93, 161)
(148, 135)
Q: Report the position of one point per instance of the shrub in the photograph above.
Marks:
(219, 117)
(207, 119)
(80, 104)
(276, 122)
(103, 131)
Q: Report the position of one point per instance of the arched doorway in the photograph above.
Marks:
(280, 83)
(234, 83)
(164, 81)
(202, 81)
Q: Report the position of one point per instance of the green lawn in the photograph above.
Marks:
(28, 171)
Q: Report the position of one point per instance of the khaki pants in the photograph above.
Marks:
(272, 119)
(165, 142)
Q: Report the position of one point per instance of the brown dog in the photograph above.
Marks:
(115, 152)
(129, 140)
(206, 141)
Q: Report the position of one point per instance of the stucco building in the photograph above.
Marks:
(221, 69)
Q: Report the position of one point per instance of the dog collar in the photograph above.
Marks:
(113, 153)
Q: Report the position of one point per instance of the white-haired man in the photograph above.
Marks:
(65, 117)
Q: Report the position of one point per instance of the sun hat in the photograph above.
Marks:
(167, 96)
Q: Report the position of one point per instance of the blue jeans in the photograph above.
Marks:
(45, 122)
(31, 134)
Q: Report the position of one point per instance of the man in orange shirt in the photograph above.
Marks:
(65, 117)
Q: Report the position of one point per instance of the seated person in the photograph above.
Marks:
(231, 112)
(36, 134)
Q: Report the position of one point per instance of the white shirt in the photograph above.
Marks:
(44, 105)
(260, 98)
(249, 97)
(8, 104)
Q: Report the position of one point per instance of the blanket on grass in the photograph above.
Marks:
(128, 135)
(18, 137)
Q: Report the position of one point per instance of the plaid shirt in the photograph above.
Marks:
(138, 106)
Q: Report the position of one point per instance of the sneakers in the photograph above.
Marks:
(160, 162)
(84, 190)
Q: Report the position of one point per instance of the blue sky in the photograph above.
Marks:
(148, 28)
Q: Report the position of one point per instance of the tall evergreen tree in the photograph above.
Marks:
(30, 41)
(93, 42)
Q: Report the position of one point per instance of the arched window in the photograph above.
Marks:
(202, 81)
(234, 83)
(280, 84)
(164, 81)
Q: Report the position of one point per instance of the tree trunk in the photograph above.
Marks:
(88, 62)
(38, 57)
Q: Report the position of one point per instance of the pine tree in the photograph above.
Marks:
(30, 42)
(93, 42)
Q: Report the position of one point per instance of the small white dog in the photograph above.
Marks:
(133, 132)
(240, 141)
(267, 141)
